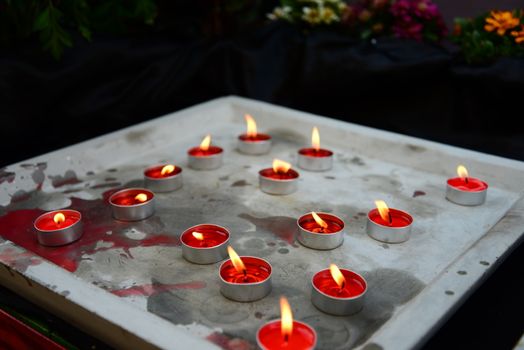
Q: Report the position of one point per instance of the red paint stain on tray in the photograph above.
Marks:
(152, 289)
(228, 343)
(17, 226)
(18, 260)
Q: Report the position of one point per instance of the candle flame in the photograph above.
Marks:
(59, 218)
(315, 139)
(318, 220)
(462, 172)
(337, 275)
(251, 126)
(383, 210)
(279, 166)
(204, 146)
(235, 259)
(198, 235)
(286, 323)
(167, 169)
(141, 197)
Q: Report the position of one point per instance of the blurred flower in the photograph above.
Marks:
(501, 21)
(519, 35)
(365, 15)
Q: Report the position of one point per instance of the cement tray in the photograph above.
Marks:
(128, 284)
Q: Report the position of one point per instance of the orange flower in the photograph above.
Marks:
(519, 35)
(501, 21)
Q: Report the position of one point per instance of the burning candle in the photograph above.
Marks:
(58, 227)
(253, 142)
(205, 156)
(388, 225)
(280, 179)
(163, 178)
(338, 291)
(286, 333)
(132, 204)
(466, 190)
(320, 230)
(245, 278)
(315, 158)
(205, 243)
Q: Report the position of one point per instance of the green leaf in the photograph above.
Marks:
(42, 21)
(86, 32)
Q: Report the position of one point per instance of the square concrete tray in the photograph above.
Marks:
(128, 284)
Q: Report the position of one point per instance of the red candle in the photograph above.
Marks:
(245, 269)
(205, 149)
(280, 171)
(389, 217)
(286, 334)
(57, 220)
(339, 283)
(132, 197)
(321, 223)
(204, 236)
(466, 183)
(162, 171)
(315, 158)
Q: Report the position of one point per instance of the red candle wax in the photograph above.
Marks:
(256, 138)
(472, 185)
(128, 198)
(313, 152)
(308, 223)
(354, 286)
(46, 222)
(257, 270)
(270, 337)
(270, 173)
(399, 218)
(156, 172)
(213, 235)
(198, 152)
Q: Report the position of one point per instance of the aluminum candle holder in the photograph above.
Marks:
(315, 160)
(473, 194)
(158, 182)
(127, 207)
(260, 144)
(51, 233)
(327, 296)
(257, 284)
(313, 236)
(399, 232)
(208, 246)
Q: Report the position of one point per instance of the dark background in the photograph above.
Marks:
(418, 89)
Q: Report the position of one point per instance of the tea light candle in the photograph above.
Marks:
(315, 158)
(252, 142)
(205, 156)
(280, 179)
(465, 190)
(286, 333)
(245, 278)
(132, 204)
(388, 225)
(163, 178)
(205, 243)
(338, 291)
(320, 230)
(58, 227)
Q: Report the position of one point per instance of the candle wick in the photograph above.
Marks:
(245, 275)
(286, 338)
(466, 179)
(390, 219)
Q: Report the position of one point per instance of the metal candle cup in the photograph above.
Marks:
(158, 182)
(396, 232)
(269, 336)
(126, 207)
(254, 286)
(315, 159)
(473, 192)
(312, 235)
(205, 160)
(208, 249)
(254, 145)
(278, 183)
(51, 233)
(328, 297)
